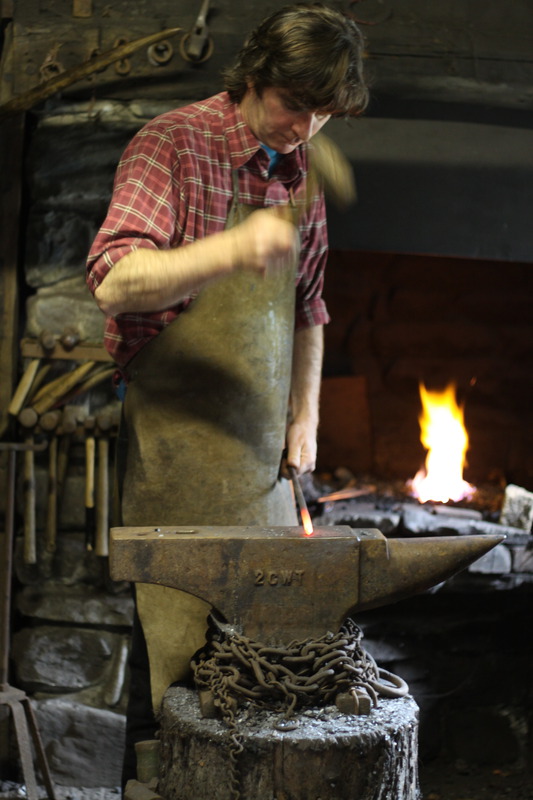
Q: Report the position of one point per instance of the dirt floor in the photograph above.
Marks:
(457, 781)
(438, 781)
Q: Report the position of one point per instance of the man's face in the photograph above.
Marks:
(275, 119)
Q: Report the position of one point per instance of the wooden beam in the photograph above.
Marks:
(11, 153)
(32, 348)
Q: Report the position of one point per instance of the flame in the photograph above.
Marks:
(306, 521)
(443, 433)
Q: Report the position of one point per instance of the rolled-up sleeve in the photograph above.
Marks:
(310, 306)
(142, 212)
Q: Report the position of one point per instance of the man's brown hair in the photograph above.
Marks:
(311, 51)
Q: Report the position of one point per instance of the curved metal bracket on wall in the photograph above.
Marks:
(122, 67)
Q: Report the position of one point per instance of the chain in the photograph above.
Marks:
(304, 673)
(220, 689)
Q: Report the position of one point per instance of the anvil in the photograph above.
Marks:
(276, 584)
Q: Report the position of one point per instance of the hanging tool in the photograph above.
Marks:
(24, 387)
(197, 46)
(69, 422)
(97, 376)
(51, 392)
(90, 443)
(104, 422)
(28, 420)
(42, 372)
(49, 423)
(30, 543)
(40, 93)
(30, 540)
(25, 723)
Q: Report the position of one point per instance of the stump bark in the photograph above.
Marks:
(327, 756)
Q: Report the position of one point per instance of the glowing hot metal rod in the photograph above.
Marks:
(302, 505)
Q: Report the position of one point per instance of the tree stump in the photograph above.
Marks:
(326, 755)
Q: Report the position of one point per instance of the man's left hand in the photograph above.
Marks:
(301, 448)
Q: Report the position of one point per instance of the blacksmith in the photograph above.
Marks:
(209, 268)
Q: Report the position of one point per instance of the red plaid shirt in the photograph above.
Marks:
(174, 185)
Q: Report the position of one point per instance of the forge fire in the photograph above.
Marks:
(443, 434)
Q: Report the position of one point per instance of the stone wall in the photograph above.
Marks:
(69, 652)
(72, 624)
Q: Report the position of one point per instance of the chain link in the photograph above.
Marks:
(304, 673)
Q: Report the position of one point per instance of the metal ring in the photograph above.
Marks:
(184, 54)
(51, 69)
(122, 67)
(399, 687)
(160, 53)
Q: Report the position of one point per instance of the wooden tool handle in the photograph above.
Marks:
(53, 391)
(24, 387)
(30, 545)
(98, 376)
(39, 380)
(89, 490)
(102, 497)
(51, 511)
(66, 430)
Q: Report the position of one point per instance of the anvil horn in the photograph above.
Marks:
(277, 584)
(399, 568)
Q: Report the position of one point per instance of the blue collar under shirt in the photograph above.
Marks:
(274, 158)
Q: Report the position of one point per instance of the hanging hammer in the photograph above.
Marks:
(49, 423)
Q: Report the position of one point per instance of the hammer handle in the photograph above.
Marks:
(51, 392)
(102, 496)
(51, 511)
(89, 490)
(24, 387)
(39, 380)
(30, 545)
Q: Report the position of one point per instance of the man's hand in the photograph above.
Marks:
(305, 391)
(265, 242)
(301, 448)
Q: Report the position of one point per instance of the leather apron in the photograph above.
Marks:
(206, 414)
